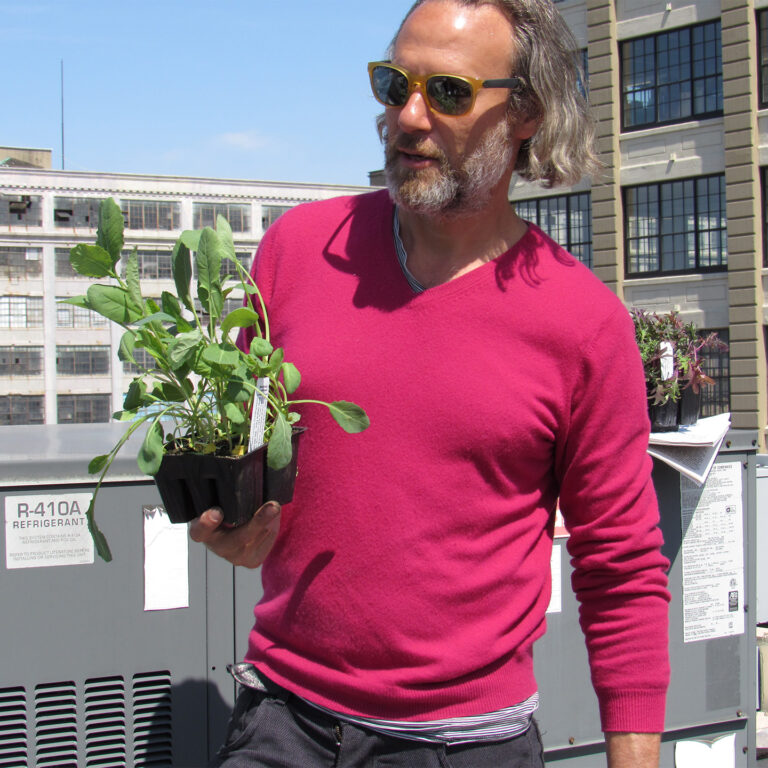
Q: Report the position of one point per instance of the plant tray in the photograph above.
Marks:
(190, 483)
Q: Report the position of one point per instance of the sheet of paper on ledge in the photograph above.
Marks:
(166, 554)
(692, 449)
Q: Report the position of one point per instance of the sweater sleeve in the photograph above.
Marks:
(609, 506)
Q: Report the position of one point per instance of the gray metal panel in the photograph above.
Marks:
(713, 681)
(86, 673)
(761, 540)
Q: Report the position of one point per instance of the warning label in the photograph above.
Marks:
(47, 530)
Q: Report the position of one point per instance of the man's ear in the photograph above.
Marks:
(524, 129)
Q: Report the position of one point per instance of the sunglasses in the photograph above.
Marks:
(447, 94)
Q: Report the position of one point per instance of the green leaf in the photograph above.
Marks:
(99, 540)
(260, 347)
(90, 260)
(225, 238)
(190, 238)
(350, 417)
(151, 451)
(156, 317)
(234, 412)
(291, 377)
(78, 301)
(109, 234)
(172, 307)
(169, 393)
(279, 449)
(127, 345)
(136, 396)
(221, 354)
(97, 463)
(114, 303)
(239, 318)
(276, 360)
(132, 278)
(208, 260)
(125, 415)
(182, 347)
(239, 391)
(181, 265)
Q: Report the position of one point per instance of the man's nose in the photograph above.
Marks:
(415, 115)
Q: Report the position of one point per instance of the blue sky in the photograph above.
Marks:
(257, 89)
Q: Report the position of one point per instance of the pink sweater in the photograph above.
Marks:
(411, 574)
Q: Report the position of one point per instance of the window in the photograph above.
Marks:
(271, 213)
(82, 361)
(672, 76)
(16, 262)
(762, 38)
(22, 409)
(143, 358)
(70, 316)
(676, 226)
(83, 409)
(21, 209)
(237, 214)
(584, 75)
(716, 399)
(764, 185)
(155, 265)
(63, 266)
(76, 212)
(21, 361)
(567, 219)
(228, 267)
(21, 311)
(151, 214)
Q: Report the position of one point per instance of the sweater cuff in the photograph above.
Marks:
(632, 711)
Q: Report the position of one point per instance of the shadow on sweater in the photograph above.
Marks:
(350, 249)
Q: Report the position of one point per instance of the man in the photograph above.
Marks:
(405, 585)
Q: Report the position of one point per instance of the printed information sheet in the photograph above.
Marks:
(47, 529)
(713, 554)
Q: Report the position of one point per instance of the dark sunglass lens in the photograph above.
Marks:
(390, 86)
(449, 95)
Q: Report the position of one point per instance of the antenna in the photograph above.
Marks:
(62, 114)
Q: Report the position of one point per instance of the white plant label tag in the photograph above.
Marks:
(259, 414)
(667, 360)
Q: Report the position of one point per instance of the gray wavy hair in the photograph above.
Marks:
(547, 57)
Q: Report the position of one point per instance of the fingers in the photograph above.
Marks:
(248, 545)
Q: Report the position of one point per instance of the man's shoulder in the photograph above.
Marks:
(333, 210)
(575, 297)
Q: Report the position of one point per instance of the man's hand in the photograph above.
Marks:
(633, 750)
(247, 545)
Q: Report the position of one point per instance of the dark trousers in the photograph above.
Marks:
(278, 730)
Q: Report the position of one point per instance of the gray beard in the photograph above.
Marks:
(445, 190)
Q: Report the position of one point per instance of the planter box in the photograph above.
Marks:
(190, 483)
(670, 416)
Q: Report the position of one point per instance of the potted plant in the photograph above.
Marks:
(220, 425)
(673, 366)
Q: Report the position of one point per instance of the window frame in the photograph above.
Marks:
(572, 244)
(29, 357)
(695, 233)
(690, 80)
(83, 359)
(762, 62)
(37, 403)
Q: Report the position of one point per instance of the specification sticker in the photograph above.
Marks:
(46, 530)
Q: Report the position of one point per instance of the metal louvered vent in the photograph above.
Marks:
(13, 728)
(105, 722)
(56, 725)
(152, 735)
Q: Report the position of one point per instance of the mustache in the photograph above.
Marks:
(414, 144)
